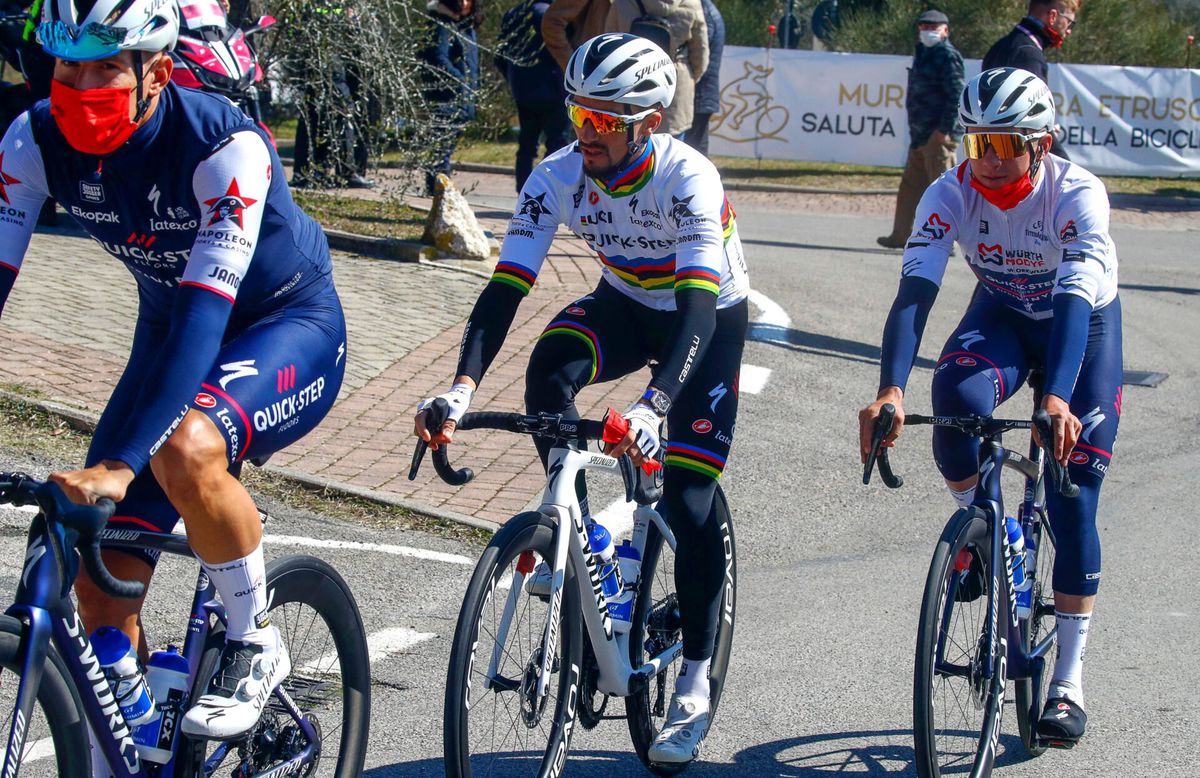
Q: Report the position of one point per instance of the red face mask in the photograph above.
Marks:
(94, 121)
(1007, 196)
(1056, 38)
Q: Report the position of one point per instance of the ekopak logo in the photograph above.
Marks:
(934, 227)
(991, 254)
(205, 400)
(702, 426)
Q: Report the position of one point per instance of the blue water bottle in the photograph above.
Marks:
(167, 677)
(120, 664)
(602, 546)
(1021, 582)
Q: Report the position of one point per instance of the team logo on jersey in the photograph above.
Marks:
(229, 206)
(991, 254)
(1080, 458)
(965, 362)
(1069, 232)
(205, 400)
(533, 207)
(577, 197)
(934, 227)
(139, 239)
(681, 210)
(92, 193)
(983, 227)
(243, 368)
(285, 379)
(575, 310)
(1073, 255)
(5, 180)
(702, 426)
(593, 198)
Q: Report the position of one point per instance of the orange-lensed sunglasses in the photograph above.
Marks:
(1008, 145)
(603, 121)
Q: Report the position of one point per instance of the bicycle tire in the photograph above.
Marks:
(61, 711)
(1031, 692)
(970, 742)
(525, 532)
(306, 581)
(646, 709)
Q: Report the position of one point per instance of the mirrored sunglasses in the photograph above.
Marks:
(603, 121)
(91, 42)
(1007, 145)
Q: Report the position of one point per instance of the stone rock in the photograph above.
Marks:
(452, 227)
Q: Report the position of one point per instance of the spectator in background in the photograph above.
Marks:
(568, 23)
(536, 82)
(688, 47)
(452, 80)
(935, 83)
(708, 88)
(1047, 25)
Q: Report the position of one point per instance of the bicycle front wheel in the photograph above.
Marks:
(496, 724)
(56, 740)
(958, 681)
(330, 682)
(656, 626)
(1037, 630)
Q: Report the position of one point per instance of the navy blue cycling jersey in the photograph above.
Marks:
(196, 205)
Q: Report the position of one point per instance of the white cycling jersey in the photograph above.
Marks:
(664, 223)
(1054, 241)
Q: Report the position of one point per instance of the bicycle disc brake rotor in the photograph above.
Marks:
(979, 681)
(531, 707)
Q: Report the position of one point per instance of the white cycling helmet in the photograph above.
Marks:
(84, 30)
(1007, 97)
(622, 68)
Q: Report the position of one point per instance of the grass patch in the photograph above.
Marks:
(42, 435)
(377, 218)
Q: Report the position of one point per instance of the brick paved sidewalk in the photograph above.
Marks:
(68, 325)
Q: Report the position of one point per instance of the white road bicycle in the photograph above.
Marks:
(527, 666)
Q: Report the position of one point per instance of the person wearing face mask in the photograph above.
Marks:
(935, 81)
(1047, 25)
(1033, 229)
(237, 317)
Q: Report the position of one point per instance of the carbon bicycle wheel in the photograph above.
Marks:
(656, 625)
(1039, 627)
(497, 726)
(330, 682)
(956, 702)
(56, 740)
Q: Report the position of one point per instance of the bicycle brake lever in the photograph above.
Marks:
(883, 425)
(418, 455)
(1058, 474)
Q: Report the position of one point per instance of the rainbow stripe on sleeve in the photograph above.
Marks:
(695, 458)
(520, 278)
(698, 278)
(728, 217)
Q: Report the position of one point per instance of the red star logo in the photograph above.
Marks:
(5, 180)
(228, 206)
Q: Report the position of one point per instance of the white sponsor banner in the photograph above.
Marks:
(838, 107)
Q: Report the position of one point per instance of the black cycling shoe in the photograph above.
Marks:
(971, 582)
(1062, 723)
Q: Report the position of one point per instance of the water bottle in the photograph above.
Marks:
(167, 677)
(1025, 595)
(602, 546)
(120, 665)
(1021, 582)
(620, 609)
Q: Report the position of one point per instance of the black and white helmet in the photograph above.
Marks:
(1007, 97)
(622, 68)
(83, 30)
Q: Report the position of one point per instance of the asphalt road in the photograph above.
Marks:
(831, 572)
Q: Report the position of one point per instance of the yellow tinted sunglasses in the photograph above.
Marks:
(604, 121)
(1008, 145)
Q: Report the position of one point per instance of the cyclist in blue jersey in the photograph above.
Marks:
(239, 342)
(1034, 229)
(673, 292)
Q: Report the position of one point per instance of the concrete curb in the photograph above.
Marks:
(383, 248)
(85, 421)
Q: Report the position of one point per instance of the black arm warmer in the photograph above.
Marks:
(695, 322)
(486, 329)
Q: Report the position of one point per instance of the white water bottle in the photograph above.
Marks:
(167, 677)
(620, 608)
(120, 663)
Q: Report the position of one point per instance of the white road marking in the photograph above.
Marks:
(382, 548)
(25, 508)
(380, 645)
(753, 378)
(38, 749)
(771, 312)
(617, 518)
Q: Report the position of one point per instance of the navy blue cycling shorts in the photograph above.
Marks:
(271, 384)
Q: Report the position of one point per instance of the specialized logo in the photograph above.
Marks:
(971, 338)
(1069, 232)
(718, 392)
(153, 196)
(966, 362)
(934, 227)
(702, 426)
(92, 193)
(534, 207)
(205, 400)
(1080, 458)
(681, 210)
(341, 352)
(991, 254)
(5, 180)
(35, 552)
(235, 370)
(229, 206)
(1090, 422)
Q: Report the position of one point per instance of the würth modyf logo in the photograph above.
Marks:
(228, 206)
(5, 180)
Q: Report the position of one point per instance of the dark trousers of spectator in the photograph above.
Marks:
(925, 163)
(697, 134)
(548, 118)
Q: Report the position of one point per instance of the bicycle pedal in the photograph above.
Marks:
(1060, 744)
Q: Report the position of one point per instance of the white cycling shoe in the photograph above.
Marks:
(537, 584)
(682, 732)
(246, 676)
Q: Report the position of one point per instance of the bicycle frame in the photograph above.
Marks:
(560, 504)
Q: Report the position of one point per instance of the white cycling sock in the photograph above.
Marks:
(242, 584)
(964, 497)
(693, 678)
(1067, 680)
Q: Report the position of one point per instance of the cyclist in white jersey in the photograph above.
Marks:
(672, 293)
(1033, 228)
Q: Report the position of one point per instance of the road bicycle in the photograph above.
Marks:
(971, 638)
(527, 666)
(53, 690)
